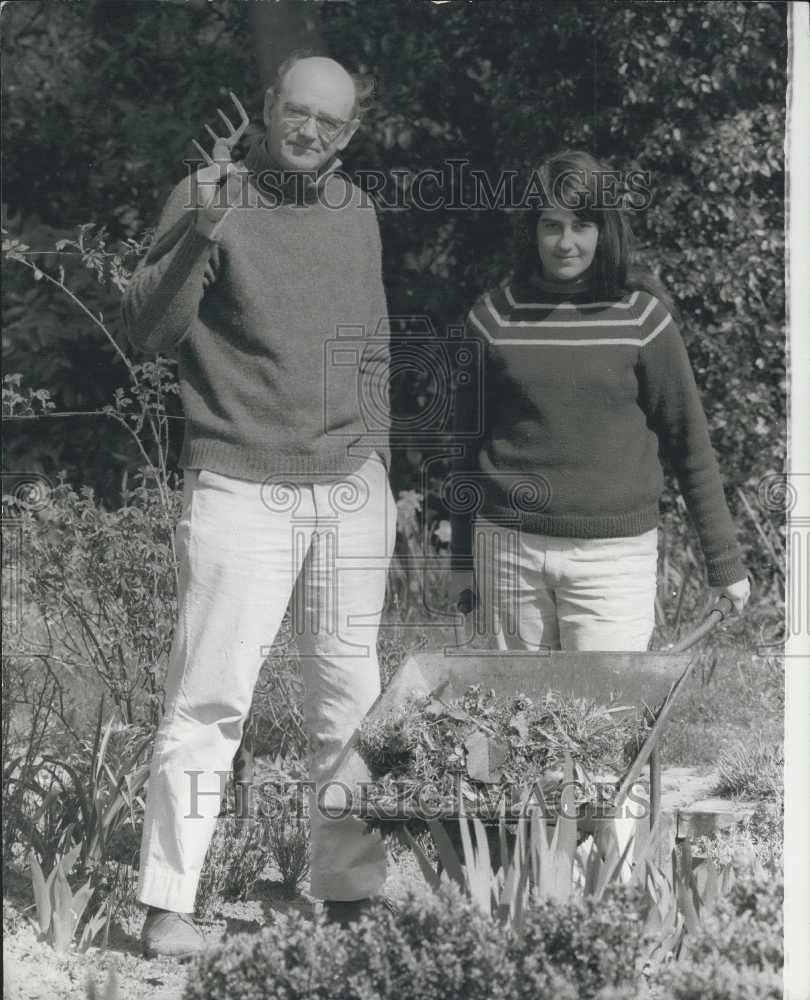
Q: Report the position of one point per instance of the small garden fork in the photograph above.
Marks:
(223, 145)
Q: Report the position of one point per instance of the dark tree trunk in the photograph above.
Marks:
(278, 30)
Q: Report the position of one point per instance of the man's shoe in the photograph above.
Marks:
(344, 912)
(170, 935)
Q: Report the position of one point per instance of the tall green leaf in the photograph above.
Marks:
(62, 922)
(42, 896)
(447, 854)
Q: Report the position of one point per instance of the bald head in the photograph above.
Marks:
(311, 113)
(323, 77)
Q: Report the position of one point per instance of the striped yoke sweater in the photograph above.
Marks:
(577, 400)
(252, 311)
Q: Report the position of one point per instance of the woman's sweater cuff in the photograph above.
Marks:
(724, 572)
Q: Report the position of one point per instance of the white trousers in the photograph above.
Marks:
(571, 594)
(566, 593)
(243, 549)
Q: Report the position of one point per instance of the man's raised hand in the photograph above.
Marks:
(216, 195)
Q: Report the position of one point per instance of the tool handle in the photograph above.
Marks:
(718, 613)
(714, 617)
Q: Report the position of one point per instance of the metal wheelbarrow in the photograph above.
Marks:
(646, 680)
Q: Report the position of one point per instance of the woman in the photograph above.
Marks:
(586, 379)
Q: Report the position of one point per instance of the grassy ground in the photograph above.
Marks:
(730, 697)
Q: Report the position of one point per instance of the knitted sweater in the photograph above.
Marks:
(564, 430)
(252, 310)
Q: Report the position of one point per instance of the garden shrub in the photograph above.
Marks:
(592, 943)
(290, 847)
(746, 927)
(721, 980)
(436, 947)
(237, 855)
(104, 585)
(738, 955)
(27, 727)
(290, 959)
(752, 769)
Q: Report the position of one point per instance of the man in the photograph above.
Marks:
(254, 268)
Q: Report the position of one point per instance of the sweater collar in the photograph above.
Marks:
(526, 288)
(278, 184)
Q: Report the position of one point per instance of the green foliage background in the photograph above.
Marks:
(102, 98)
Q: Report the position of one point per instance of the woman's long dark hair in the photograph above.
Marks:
(570, 179)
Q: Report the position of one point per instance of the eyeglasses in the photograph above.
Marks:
(328, 128)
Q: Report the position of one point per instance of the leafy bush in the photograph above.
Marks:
(438, 947)
(99, 787)
(253, 830)
(593, 943)
(746, 927)
(237, 855)
(290, 959)
(80, 808)
(59, 909)
(290, 847)
(28, 716)
(66, 916)
(110, 986)
(753, 846)
(752, 769)
(103, 586)
(738, 954)
(89, 797)
(721, 980)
